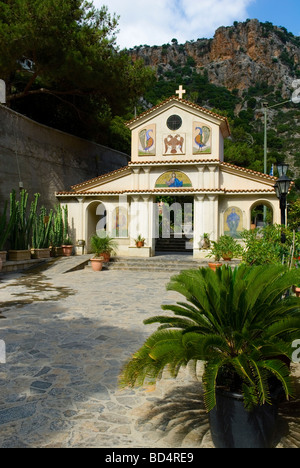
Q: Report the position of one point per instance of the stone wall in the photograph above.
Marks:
(46, 160)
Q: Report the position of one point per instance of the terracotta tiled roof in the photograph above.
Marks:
(165, 191)
(100, 178)
(175, 161)
(188, 103)
(249, 171)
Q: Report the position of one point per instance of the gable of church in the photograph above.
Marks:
(178, 130)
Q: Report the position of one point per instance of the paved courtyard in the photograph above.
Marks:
(67, 336)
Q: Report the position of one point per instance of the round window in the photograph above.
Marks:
(174, 122)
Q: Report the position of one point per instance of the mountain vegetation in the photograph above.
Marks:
(62, 68)
(242, 69)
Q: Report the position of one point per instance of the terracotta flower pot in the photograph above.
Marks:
(67, 250)
(297, 291)
(106, 256)
(56, 252)
(97, 263)
(140, 244)
(227, 256)
(214, 265)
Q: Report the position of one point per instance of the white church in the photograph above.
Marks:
(177, 154)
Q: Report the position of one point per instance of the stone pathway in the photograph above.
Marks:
(67, 336)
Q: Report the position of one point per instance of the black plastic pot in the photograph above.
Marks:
(232, 426)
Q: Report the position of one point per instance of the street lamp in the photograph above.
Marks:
(282, 187)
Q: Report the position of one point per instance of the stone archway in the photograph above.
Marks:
(261, 213)
(96, 220)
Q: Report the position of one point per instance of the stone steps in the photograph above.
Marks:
(164, 263)
(171, 244)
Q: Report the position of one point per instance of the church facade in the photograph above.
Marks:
(177, 171)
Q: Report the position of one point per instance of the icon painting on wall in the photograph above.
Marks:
(147, 141)
(120, 222)
(174, 144)
(201, 138)
(173, 179)
(233, 220)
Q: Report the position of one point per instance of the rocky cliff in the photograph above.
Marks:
(237, 57)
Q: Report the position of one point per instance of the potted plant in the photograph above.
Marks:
(239, 336)
(107, 246)
(67, 245)
(139, 241)
(216, 253)
(97, 247)
(229, 247)
(205, 241)
(5, 229)
(57, 233)
(41, 230)
(21, 232)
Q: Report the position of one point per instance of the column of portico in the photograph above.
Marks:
(198, 223)
(140, 223)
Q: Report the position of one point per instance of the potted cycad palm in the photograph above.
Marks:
(239, 324)
(97, 248)
(106, 246)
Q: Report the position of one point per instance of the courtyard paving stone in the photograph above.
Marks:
(67, 336)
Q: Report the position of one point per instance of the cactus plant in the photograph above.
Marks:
(57, 232)
(41, 229)
(20, 235)
(5, 227)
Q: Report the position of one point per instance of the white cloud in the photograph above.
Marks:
(159, 21)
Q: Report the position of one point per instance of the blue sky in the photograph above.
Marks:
(280, 13)
(159, 21)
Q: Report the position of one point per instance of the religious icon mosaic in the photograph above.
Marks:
(147, 141)
(174, 143)
(120, 222)
(233, 222)
(173, 179)
(201, 138)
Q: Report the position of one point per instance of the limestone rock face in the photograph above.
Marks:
(237, 57)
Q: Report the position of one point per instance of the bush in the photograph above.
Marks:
(264, 246)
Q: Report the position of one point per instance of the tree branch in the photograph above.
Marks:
(56, 94)
(74, 92)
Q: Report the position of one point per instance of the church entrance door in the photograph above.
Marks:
(175, 224)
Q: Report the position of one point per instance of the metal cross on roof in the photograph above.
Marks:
(180, 92)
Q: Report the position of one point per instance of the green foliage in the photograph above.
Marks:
(100, 245)
(235, 321)
(263, 246)
(5, 226)
(57, 231)
(227, 247)
(294, 215)
(41, 229)
(75, 79)
(21, 232)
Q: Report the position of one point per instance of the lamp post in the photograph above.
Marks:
(282, 187)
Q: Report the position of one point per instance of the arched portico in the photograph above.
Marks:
(262, 211)
(96, 220)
